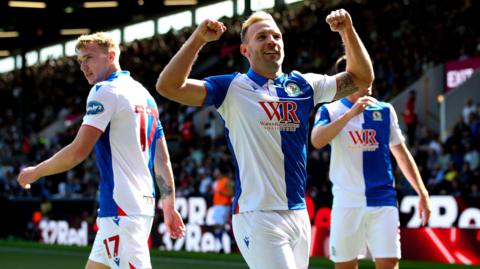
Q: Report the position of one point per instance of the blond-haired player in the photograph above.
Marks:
(121, 122)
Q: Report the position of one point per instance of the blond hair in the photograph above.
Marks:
(254, 18)
(102, 39)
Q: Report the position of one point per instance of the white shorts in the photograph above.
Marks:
(352, 230)
(273, 239)
(122, 242)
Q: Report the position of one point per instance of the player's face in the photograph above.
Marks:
(264, 46)
(95, 63)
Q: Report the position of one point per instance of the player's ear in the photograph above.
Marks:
(111, 55)
(244, 50)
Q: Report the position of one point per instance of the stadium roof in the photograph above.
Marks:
(39, 27)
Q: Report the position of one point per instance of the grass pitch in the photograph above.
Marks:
(25, 255)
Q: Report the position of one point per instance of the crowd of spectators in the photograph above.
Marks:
(404, 39)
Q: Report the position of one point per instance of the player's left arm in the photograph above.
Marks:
(165, 182)
(410, 171)
(359, 70)
(67, 158)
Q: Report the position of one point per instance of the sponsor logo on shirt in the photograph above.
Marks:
(94, 107)
(282, 115)
(364, 139)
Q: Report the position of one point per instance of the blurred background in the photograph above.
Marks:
(426, 56)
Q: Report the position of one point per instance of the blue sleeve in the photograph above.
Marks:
(159, 129)
(152, 117)
(322, 117)
(217, 87)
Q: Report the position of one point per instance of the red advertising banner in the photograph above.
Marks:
(457, 72)
(446, 245)
(452, 235)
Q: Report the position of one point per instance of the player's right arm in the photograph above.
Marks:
(325, 130)
(173, 81)
(65, 159)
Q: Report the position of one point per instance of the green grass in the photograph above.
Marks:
(23, 255)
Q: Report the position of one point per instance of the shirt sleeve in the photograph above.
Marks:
(101, 105)
(217, 88)
(154, 120)
(324, 87)
(159, 130)
(322, 117)
(396, 136)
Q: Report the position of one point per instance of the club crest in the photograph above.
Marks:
(292, 89)
(377, 116)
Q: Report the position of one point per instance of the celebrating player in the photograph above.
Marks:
(266, 122)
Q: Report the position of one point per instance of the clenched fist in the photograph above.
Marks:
(339, 20)
(210, 30)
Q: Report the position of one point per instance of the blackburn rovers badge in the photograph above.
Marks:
(292, 89)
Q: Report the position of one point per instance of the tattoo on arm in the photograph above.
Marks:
(345, 85)
(165, 189)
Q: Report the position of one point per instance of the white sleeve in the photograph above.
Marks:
(396, 136)
(101, 106)
(324, 87)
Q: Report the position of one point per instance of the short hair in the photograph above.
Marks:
(254, 18)
(102, 39)
(341, 64)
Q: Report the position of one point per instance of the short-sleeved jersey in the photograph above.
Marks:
(127, 115)
(266, 126)
(360, 164)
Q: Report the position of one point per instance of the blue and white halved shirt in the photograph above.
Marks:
(266, 125)
(127, 115)
(360, 164)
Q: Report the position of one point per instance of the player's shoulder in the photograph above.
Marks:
(225, 80)
(383, 104)
(302, 80)
(230, 76)
(299, 76)
(104, 86)
(306, 76)
(334, 105)
(122, 83)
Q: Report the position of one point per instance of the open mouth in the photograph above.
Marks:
(271, 52)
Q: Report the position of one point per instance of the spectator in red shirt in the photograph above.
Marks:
(410, 118)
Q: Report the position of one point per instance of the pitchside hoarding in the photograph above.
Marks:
(452, 235)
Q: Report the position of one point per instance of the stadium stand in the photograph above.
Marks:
(398, 36)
